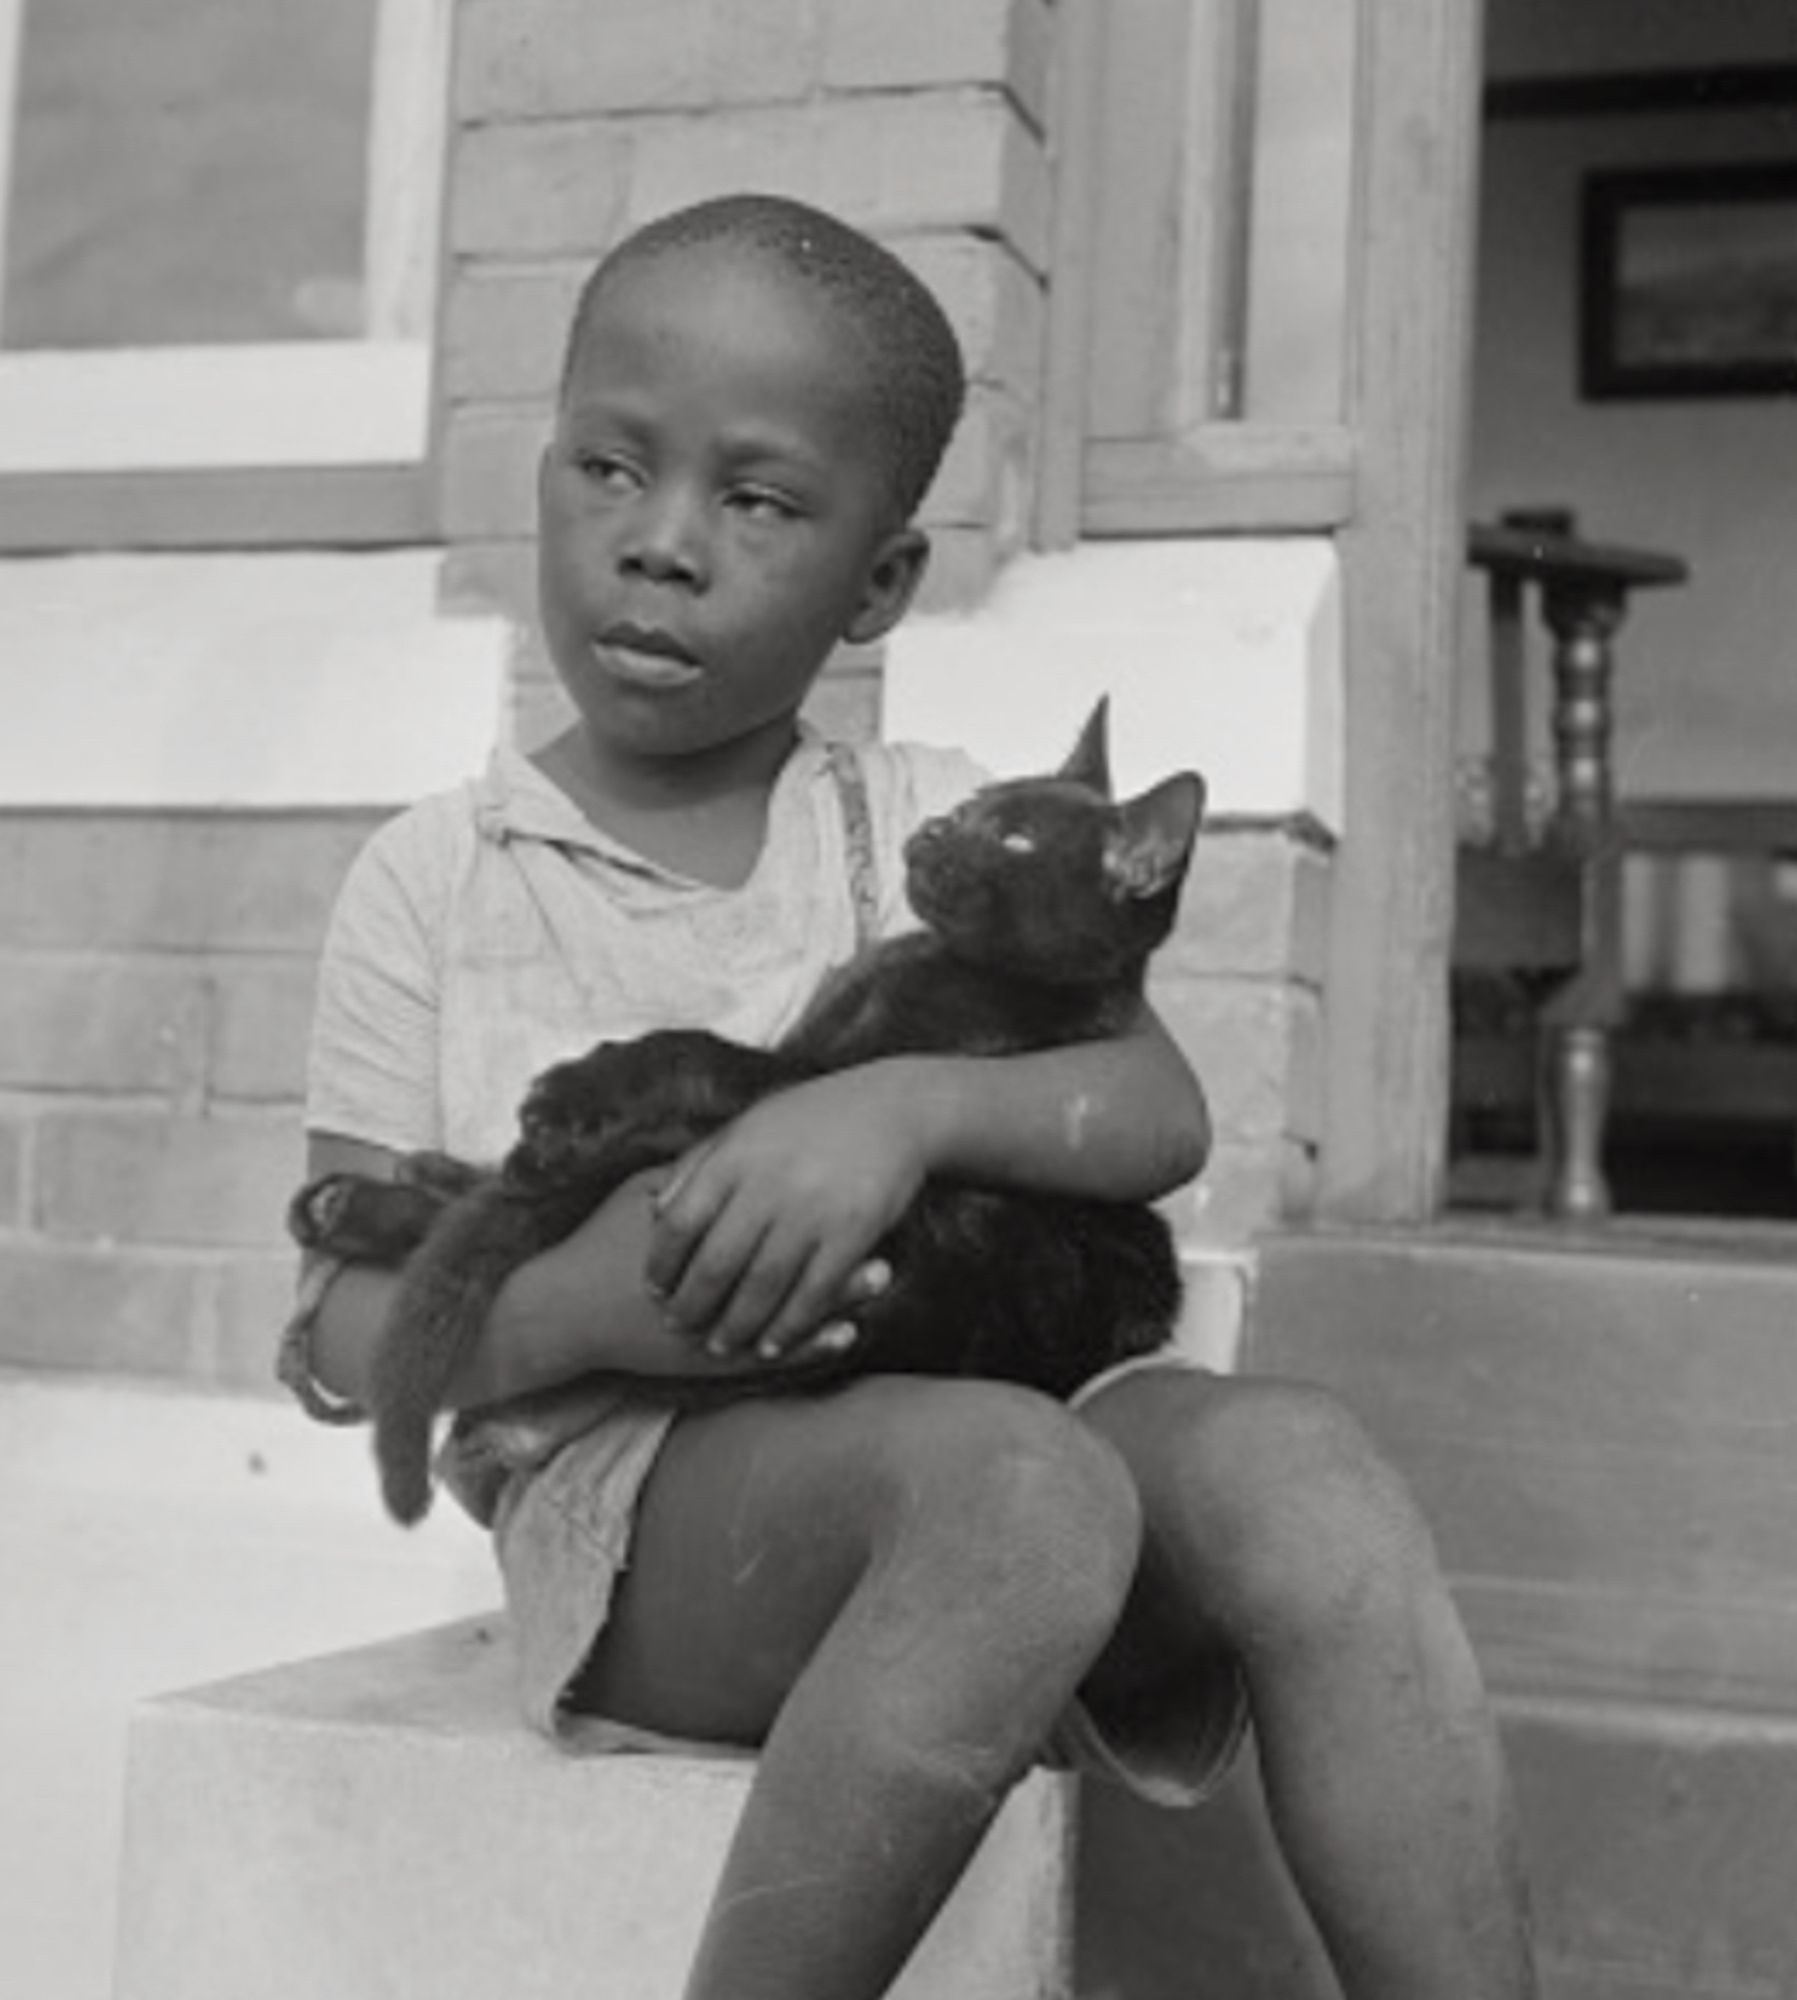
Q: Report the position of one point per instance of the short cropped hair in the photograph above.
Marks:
(914, 365)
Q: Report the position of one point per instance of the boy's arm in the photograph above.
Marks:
(1123, 1119)
(762, 1222)
(581, 1305)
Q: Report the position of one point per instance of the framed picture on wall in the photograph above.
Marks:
(1689, 282)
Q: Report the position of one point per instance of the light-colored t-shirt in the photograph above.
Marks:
(493, 929)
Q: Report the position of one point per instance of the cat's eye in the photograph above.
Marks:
(1018, 843)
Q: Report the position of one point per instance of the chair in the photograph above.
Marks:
(1538, 918)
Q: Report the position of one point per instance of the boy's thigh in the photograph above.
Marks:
(761, 1518)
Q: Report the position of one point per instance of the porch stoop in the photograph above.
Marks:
(1602, 1431)
(377, 1824)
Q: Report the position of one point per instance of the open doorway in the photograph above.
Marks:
(1635, 398)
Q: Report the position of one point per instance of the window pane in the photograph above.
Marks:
(187, 171)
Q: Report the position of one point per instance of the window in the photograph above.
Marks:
(218, 226)
(1214, 139)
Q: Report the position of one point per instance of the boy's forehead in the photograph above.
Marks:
(692, 270)
(774, 329)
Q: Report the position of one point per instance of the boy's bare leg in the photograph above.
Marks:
(898, 1587)
(1270, 1522)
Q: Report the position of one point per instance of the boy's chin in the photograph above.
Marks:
(651, 731)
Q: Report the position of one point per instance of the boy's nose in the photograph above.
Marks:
(666, 544)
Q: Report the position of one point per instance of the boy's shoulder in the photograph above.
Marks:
(909, 782)
(424, 843)
(432, 839)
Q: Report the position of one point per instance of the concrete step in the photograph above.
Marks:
(1659, 1844)
(377, 1824)
(1600, 1427)
(1657, 1840)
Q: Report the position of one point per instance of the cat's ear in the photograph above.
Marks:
(1152, 845)
(1090, 763)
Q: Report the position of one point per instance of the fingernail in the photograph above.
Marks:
(876, 1277)
(839, 1334)
(769, 1349)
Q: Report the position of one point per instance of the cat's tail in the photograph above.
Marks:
(436, 1317)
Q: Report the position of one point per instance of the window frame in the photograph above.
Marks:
(214, 482)
(1383, 483)
(1189, 461)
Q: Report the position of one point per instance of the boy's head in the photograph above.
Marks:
(907, 349)
(754, 398)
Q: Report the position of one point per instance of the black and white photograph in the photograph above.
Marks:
(898, 1000)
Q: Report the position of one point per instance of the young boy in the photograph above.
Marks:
(906, 1591)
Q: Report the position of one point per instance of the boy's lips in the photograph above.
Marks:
(646, 657)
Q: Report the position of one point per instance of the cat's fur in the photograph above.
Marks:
(1042, 902)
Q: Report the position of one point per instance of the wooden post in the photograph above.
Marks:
(1583, 615)
(1509, 715)
(1416, 156)
(1074, 149)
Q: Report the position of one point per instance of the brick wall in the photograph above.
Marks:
(1239, 985)
(155, 983)
(924, 124)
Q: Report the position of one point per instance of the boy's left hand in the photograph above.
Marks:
(764, 1230)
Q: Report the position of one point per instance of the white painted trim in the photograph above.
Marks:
(1221, 654)
(293, 403)
(407, 142)
(283, 679)
(264, 404)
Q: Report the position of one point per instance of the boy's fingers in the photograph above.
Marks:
(868, 1282)
(685, 1209)
(822, 1299)
(761, 1296)
(704, 1301)
(816, 1298)
(835, 1339)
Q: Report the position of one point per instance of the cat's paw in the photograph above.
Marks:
(362, 1219)
(316, 1214)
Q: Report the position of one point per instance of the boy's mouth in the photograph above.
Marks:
(646, 657)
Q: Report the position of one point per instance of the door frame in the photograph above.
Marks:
(1402, 553)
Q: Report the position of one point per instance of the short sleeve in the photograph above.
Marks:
(372, 1065)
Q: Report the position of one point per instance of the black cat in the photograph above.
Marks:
(1042, 902)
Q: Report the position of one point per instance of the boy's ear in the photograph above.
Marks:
(892, 579)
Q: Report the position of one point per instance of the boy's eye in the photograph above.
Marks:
(759, 503)
(605, 469)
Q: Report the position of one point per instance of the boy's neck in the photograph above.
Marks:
(703, 815)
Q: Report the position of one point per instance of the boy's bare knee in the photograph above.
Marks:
(1306, 1525)
(1003, 1491)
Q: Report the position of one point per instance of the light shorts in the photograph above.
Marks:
(563, 1539)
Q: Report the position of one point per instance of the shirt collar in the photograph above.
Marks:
(513, 800)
